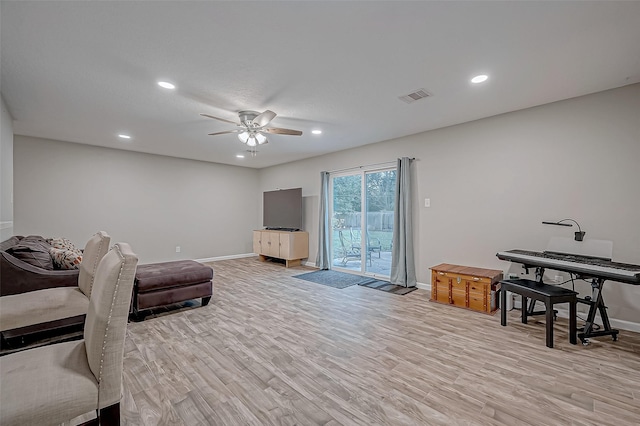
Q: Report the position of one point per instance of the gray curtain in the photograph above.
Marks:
(323, 260)
(403, 270)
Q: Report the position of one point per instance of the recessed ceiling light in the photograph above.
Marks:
(123, 136)
(316, 132)
(479, 78)
(239, 156)
(166, 85)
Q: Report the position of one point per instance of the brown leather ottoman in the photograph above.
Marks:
(161, 284)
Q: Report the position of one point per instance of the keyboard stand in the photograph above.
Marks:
(531, 309)
(596, 303)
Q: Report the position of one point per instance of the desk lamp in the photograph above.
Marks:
(579, 236)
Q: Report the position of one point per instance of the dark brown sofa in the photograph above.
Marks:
(18, 276)
(39, 302)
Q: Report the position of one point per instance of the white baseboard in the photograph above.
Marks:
(424, 286)
(232, 256)
(625, 325)
(615, 323)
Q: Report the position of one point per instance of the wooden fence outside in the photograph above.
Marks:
(376, 221)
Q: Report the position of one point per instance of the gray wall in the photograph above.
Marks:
(491, 182)
(155, 203)
(6, 174)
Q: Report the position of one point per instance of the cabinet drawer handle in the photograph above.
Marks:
(440, 273)
(476, 279)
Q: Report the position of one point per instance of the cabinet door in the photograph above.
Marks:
(285, 245)
(298, 245)
(257, 242)
(273, 243)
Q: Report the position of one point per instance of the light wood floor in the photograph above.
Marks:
(272, 349)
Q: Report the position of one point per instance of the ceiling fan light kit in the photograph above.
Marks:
(252, 128)
(244, 137)
(261, 138)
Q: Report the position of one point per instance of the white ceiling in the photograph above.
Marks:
(86, 71)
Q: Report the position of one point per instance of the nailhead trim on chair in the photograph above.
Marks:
(95, 265)
(104, 341)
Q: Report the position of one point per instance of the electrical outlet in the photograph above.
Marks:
(178, 249)
(427, 202)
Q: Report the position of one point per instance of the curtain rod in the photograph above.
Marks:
(367, 165)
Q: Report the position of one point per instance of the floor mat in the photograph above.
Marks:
(341, 280)
(387, 286)
(333, 279)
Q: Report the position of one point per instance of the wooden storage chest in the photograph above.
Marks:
(465, 287)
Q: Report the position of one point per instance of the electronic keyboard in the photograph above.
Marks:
(582, 265)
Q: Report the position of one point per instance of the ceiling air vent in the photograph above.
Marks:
(412, 97)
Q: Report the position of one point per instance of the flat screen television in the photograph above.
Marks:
(282, 209)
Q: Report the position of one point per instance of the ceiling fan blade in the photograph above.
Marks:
(221, 119)
(223, 133)
(264, 118)
(280, 131)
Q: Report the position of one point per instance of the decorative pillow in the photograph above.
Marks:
(61, 243)
(65, 259)
(33, 250)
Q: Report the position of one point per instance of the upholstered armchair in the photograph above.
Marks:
(32, 312)
(54, 384)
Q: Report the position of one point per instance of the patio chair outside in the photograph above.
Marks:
(374, 245)
(349, 251)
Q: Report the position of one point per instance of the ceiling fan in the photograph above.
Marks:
(253, 126)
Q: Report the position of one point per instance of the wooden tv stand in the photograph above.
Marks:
(292, 247)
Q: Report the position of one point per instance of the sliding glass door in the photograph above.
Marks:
(346, 209)
(380, 187)
(362, 206)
